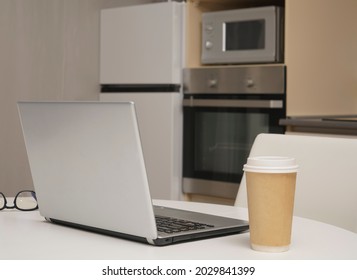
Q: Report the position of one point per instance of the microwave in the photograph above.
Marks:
(251, 35)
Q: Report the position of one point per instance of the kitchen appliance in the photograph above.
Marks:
(141, 60)
(251, 35)
(225, 108)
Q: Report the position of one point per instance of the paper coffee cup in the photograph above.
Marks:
(270, 188)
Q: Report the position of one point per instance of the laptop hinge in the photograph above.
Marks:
(150, 241)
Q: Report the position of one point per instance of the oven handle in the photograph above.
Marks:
(230, 103)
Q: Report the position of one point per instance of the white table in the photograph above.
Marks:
(26, 235)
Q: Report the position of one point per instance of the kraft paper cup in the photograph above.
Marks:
(271, 189)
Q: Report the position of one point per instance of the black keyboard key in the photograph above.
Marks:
(173, 225)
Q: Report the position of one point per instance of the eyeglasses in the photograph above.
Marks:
(24, 201)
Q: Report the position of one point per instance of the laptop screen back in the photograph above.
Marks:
(87, 164)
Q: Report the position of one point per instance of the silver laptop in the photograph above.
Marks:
(88, 172)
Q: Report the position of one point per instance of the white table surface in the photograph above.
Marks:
(26, 235)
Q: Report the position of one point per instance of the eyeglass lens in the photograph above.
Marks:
(26, 200)
(2, 201)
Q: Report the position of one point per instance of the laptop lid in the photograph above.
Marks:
(88, 171)
(87, 165)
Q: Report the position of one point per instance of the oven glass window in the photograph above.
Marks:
(223, 140)
(244, 35)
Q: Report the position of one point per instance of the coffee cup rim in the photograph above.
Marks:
(271, 164)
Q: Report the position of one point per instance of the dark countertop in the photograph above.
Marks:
(342, 124)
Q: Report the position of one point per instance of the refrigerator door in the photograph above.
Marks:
(142, 44)
(160, 124)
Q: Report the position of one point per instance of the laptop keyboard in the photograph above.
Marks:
(173, 225)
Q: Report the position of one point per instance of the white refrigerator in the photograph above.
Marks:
(141, 60)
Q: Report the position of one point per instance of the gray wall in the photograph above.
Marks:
(49, 50)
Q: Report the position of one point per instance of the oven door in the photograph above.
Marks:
(218, 135)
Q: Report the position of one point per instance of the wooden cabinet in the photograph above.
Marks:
(321, 57)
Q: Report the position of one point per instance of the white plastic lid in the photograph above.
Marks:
(271, 164)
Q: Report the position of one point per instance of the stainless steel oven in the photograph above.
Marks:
(225, 108)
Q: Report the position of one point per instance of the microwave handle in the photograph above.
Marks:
(229, 103)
